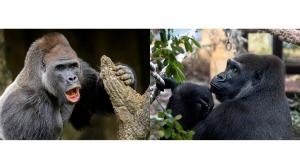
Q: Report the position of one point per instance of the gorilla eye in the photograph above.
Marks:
(234, 70)
(60, 67)
(75, 65)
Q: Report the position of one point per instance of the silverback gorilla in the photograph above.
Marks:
(253, 102)
(53, 86)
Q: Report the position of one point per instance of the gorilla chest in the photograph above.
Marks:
(60, 115)
(235, 125)
(57, 121)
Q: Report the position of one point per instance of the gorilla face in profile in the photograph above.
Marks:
(228, 84)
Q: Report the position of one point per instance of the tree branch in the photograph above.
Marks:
(131, 108)
(288, 35)
(158, 79)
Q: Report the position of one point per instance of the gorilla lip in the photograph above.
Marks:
(213, 87)
(73, 94)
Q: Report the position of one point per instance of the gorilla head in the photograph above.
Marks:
(55, 66)
(192, 101)
(247, 73)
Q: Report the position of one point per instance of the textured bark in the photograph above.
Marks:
(131, 108)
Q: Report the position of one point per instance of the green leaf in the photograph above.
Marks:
(161, 115)
(188, 46)
(169, 123)
(175, 40)
(161, 133)
(190, 134)
(173, 136)
(168, 54)
(159, 65)
(163, 123)
(166, 62)
(178, 137)
(157, 44)
(178, 75)
(175, 69)
(168, 133)
(179, 49)
(178, 117)
(157, 53)
(169, 111)
(178, 65)
(178, 127)
(196, 42)
(163, 37)
(170, 70)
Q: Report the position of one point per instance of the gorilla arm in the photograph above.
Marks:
(94, 99)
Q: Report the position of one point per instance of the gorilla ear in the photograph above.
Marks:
(257, 77)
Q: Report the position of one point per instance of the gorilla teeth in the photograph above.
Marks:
(72, 92)
(73, 95)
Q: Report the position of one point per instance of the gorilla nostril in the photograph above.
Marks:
(72, 79)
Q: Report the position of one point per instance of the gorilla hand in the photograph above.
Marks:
(169, 84)
(125, 74)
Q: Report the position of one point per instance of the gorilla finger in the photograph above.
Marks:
(203, 103)
(118, 67)
(120, 72)
(128, 82)
(125, 77)
(125, 69)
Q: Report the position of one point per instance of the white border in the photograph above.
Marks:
(149, 154)
(149, 14)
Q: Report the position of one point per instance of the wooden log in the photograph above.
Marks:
(131, 108)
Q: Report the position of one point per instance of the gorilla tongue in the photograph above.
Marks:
(73, 95)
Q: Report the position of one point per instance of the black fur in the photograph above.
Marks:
(253, 102)
(190, 100)
(258, 111)
(92, 92)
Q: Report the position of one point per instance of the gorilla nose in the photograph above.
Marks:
(72, 79)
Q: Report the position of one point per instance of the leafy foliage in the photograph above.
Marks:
(170, 128)
(295, 114)
(167, 47)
